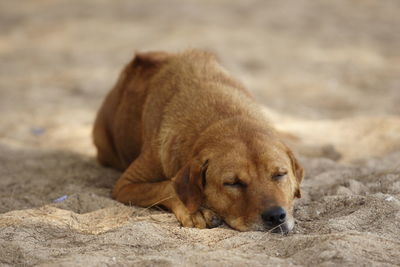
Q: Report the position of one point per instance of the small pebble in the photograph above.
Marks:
(389, 198)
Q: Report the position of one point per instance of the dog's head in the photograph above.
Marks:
(248, 177)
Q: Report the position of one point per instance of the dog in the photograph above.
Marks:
(190, 138)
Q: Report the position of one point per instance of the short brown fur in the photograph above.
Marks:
(181, 129)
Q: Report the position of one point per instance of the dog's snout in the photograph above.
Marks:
(274, 216)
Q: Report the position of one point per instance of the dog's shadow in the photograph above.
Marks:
(31, 178)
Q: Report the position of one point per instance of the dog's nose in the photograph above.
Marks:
(274, 216)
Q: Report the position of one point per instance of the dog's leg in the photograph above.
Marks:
(136, 188)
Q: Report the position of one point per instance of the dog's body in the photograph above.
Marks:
(190, 138)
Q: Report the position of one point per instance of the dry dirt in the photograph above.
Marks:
(328, 73)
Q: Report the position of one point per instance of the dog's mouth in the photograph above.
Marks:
(240, 224)
(283, 228)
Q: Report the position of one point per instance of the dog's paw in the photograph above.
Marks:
(211, 218)
(201, 219)
(191, 220)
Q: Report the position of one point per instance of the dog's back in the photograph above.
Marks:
(189, 94)
(183, 93)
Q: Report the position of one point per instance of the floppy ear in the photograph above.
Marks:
(189, 185)
(298, 172)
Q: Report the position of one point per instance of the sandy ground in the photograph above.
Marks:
(328, 73)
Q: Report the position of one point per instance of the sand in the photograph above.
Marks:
(327, 72)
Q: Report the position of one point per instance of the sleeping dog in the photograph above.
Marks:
(190, 138)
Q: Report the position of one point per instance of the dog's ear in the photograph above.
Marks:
(189, 185)
(298, 172)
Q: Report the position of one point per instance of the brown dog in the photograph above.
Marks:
(190, 138)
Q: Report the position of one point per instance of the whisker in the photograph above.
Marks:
(152, 205)
(280, 227)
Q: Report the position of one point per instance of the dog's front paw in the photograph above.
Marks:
(200, 219)
(191, 220)
(211, 218)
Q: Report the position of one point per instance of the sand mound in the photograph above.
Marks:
(328, 72)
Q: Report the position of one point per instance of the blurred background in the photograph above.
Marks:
(308, 59)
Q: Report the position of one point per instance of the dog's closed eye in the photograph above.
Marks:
(280, 174)
(235, 183)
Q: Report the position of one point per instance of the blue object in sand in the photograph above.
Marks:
(60, 199)
(37, 131)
